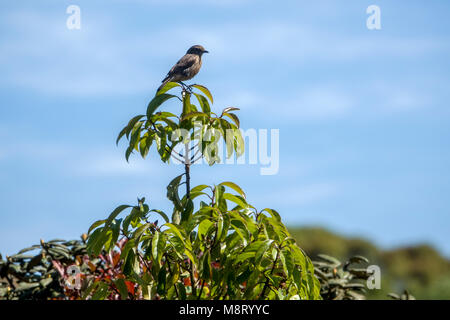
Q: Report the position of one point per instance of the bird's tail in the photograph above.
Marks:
(164, 82)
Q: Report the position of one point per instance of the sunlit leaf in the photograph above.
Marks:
(262, 250)
(233, 186)
(204, 90)
(156, 102)
(167, 87)
(204, 104)
(95, 225)
(122, 287)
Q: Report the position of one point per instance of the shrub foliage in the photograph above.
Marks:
(213, 245)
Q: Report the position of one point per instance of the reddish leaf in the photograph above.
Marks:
(130, 287)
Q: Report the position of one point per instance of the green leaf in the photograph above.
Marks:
(261, 250)
(131, 264)
(101, 292)
(204, 104)
(172, 192)
(182, 291)
(186, 104)
(333, 261)
(233, 117)
(204, 90)
(26, 286)
(136, 134)
(176, 216)
(115, 213)
(155, 246)
(158, 246)
(144, 145)
(132, 218)
(96, 241)
(273, 213)
(203, 228)
(219, 227)
(128, 152)
(27, 249)
(286, 260)
(161, 213)
(95, 225)
(199, 188)
(167, 87)
(156, 102)
(161, 281)
(34, 261)
(126, 249)
(115, 228)
(241, 230)
(174, 229)
(394, 296)
(122, 287)
(220, 200)
(129, 127)
(357, 259)
(121, 134)
(139, 231)
(244, 256)
(206, 266)
(235, 199)
(161, 142)
(163, 115)
(239, 143)
(194, 115)
(187, 210)
(233, 186)
(226, 110)
(46, 282)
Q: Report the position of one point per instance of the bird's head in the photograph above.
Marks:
(197, 49)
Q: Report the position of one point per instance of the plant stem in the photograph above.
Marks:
(170, 271)
(201, 290)
(191, 271)
(267, 279)
(187, 166)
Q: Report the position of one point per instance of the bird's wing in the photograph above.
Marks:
(184, 63)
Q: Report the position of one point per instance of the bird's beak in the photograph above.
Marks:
(205, 51)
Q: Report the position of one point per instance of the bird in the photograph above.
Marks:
(187, 67)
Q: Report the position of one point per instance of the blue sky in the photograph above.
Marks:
(363, 114)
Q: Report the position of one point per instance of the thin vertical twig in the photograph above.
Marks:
(187, 166)
(266, 284)
(170, 271)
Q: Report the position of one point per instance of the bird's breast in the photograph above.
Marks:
(195, 68)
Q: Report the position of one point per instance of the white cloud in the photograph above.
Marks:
(300, 43)
(113, 165)
(47, 57)
(103, 58)
(77, 161)
(324, 101)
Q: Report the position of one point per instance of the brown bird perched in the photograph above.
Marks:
(187, 67)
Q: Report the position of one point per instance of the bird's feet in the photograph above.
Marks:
(186, 87)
